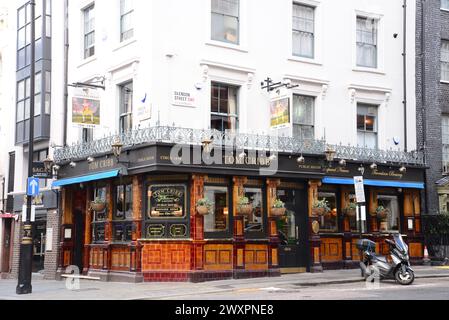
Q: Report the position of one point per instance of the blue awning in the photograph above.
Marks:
(376, 183)
(92, 177)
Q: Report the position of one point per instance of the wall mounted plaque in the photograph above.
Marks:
(156, 231)
(178, 231)
(167, 201)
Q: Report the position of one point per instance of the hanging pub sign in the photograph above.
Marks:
(39, 171)
(280, 105)
(86, 109)
(167, 201)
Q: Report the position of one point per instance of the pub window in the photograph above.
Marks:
(445, 60)
(126, 107)
(254, 222)
(224, 107)
(166, 213)
(353, 219)
(287, 225)
(226, 20)
(367, 42)
(123, 213)
(218, 218)
(390, 220)
(100, 214)
(367, 127)
(89, 31)
(303, 117)
(303, 30)
(329, 222)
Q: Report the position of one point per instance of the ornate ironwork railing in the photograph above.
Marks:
(235, 140)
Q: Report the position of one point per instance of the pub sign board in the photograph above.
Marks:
(39, 171)
(167, 201)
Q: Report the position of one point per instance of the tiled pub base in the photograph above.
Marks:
(203, 276)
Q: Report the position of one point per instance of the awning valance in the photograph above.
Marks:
(88, 178)
(376, 183)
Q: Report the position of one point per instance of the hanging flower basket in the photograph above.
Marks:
(203, 207)
(351, 213)
(319, 212)
(202, 210)
(245, 209)
(381, 212)
(98, 206)
(278, 212)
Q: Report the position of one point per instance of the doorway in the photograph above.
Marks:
(78, 246)
(39, 237)
(6, 242)
(293, 231)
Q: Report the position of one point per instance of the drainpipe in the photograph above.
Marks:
(404, 58)
(423, 96)
(66, 70)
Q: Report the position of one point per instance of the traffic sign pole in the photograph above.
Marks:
(26, 248)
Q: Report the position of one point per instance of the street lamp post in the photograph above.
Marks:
(26, 247)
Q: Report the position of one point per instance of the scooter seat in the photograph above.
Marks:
(381, 258)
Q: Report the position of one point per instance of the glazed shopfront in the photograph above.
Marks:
(136, 218)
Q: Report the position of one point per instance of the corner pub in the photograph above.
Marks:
(131, 211)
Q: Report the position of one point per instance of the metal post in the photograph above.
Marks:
(26, 247)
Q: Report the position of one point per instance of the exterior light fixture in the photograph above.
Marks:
(207, 145)
(330, 154)
(342, 162)
(273, 157)
(242, 155)
(362, 169)
(72, 164)
(373, 166)
(301, 160)
(90, 159)
(403, 169)
(117, 148)
(48, 164)
(56, 168)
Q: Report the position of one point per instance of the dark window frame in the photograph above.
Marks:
(224, 116)
(264, 233)
(229, 232)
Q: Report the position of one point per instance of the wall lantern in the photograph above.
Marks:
(342, 162)
(117, 148)
(330, 154)
(301, 160)
(207, 144)
(90, 159)
(403, 169)
(362, 169)
(72, 164)
(48, 164)
(373, 166)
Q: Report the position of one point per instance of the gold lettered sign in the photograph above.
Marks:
(156, 231)
(167, 201)
(178, 230)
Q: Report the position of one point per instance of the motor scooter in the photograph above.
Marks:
(396, 266)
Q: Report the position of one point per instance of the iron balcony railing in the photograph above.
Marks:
(235, 140)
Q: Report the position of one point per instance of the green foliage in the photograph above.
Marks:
(98, 200)
(352, 206)
(242, 201)
(322, 204)
(204, 202)
(437, 225)
(278, 204)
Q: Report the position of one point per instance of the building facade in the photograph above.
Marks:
(433, 98)
(165, 110)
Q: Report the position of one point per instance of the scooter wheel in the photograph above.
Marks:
(406, 277)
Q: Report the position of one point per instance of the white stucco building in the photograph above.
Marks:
(200, 64)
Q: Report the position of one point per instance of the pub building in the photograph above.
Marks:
(130, 210)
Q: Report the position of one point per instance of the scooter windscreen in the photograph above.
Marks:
(400, 243)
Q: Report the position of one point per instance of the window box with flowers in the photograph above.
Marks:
(98, 205)
(351, 210)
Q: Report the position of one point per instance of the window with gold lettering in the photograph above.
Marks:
(166, 212)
